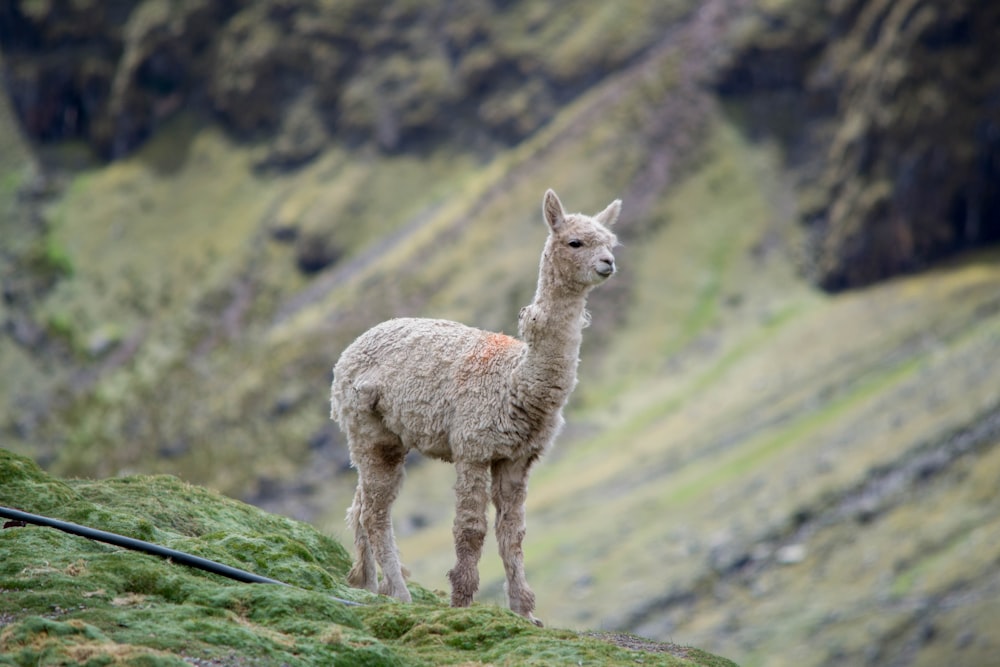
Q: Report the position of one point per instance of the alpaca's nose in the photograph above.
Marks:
(606, 267)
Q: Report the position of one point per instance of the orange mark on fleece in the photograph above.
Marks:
(487, 349)
(493, 344)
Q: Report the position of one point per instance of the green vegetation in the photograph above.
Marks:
(53, 258)
(67, 600)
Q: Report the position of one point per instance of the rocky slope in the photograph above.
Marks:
(398, 74)
(889, 109)
(752, 465)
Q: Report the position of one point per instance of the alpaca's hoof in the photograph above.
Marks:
(461, 600)
(535, 621)
(401, 593)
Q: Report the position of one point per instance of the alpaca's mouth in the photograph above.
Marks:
(605, 270)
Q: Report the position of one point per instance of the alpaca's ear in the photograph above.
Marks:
(553, 209)
(609, 216)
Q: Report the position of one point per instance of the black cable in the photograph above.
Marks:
(147, 547)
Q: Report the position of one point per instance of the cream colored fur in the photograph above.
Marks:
(489, 403)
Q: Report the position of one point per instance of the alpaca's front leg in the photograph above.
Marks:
(470, 530)
(510, 489)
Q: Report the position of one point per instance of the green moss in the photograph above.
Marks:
(69, 600)
(485, 634)
(43, 641)
(99, 583)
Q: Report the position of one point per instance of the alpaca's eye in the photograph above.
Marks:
(575, 243)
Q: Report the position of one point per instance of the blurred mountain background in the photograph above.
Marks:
(785, 443)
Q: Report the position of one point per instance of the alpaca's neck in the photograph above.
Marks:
(552, 327)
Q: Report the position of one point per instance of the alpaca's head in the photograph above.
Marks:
(579, 252)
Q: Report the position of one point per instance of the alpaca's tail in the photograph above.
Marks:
(363, 573)
(334, 403)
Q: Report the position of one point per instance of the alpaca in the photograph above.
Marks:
(487, 402)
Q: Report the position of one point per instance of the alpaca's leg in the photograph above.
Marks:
(471, 495)
(381, 484)
(362, 574)
(378, 454)
(510, 487)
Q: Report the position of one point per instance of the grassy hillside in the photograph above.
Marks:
(754, 463)
(67, 600)
(750, 465)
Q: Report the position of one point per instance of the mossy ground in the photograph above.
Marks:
(68, 600)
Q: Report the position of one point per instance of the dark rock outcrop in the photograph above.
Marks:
(298, 72)
(105, 72)
(890, 112)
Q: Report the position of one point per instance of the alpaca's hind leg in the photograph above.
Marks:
(381, 478)
(510, 485)
(378, 454)
(363, 573)
(472, 495)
